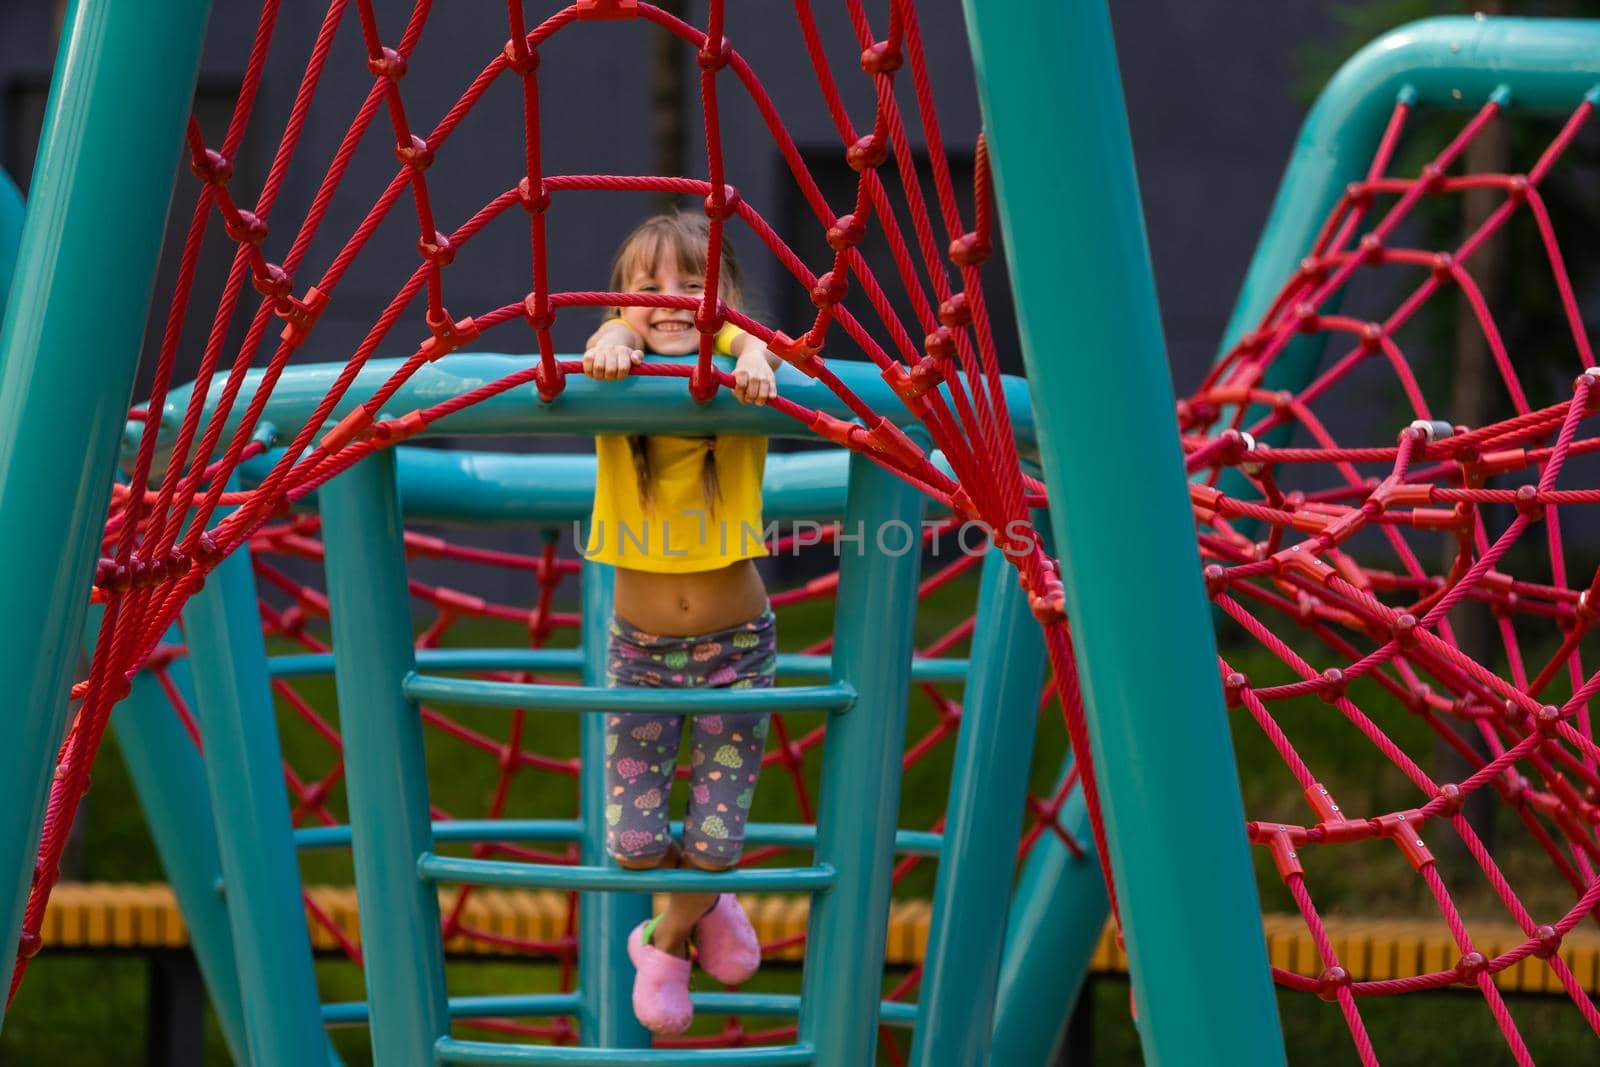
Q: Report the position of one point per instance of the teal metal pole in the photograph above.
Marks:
(1074, 237)
(860, 795)
(386, 774)
(1056, 919)
(605, 974)
(983, 819)
(255, 842)
(170, 782)
(11, 212)
(68, 347)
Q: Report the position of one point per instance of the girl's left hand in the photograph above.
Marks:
(753, 379)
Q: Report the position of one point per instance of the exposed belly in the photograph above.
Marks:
(683, 605)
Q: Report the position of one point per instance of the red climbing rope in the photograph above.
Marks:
(1350, 574)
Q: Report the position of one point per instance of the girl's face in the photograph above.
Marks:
(666, 331)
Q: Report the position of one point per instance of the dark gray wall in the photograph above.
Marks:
(1208, 88)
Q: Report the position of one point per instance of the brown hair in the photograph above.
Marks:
(685, 237)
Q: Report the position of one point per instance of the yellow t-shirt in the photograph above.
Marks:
(679, 531)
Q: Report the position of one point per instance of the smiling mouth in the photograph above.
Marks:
(672, 326)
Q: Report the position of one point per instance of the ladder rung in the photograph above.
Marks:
(476, 692)
(539, 1005)
(451, 1050)
(356, 1012)
(791, 835)
(455, 830)
(929, 669)
(790, 664)
(787, 1005)
(615, 879)
(444, 659)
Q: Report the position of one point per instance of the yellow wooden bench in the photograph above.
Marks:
(98, 916)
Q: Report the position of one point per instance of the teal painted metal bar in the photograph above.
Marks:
(616, 879)
(170, 782)
(516, 488)
(476, 692)
(790, 835)
(1057, 915)
(860, 793)
(66, 374)
(538, 1005)
(638, 405)
(983, 820)
(386, 775)
(787, 1005)
(605, 974)
(11, 213)
(484, 1052)
(308, 664)
(357, 1013)
(244, 772)
(1074, 237)
(790, 664)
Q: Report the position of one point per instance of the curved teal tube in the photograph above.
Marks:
(1453, 63)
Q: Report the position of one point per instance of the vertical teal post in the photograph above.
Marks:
(11, 215)
(860, 801)
(255, 843)
(68, 348)
(1074, 236)
(386, 775)
(1056, 918)
(170, 781)
(605, 974)
(983, 820)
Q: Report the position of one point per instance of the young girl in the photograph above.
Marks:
(680, 519)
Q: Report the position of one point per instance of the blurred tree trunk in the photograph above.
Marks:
(667, 75)
(1473, 392)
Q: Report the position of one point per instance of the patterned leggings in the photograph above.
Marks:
(725, 750)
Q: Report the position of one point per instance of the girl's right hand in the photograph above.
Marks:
(610, 362)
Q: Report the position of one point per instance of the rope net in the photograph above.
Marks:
(163, 537)
(1418, 585)
(1362, 558)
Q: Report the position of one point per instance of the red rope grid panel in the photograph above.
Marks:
(157, 556)
(1337, 549)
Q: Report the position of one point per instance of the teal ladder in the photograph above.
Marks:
(398, 870)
